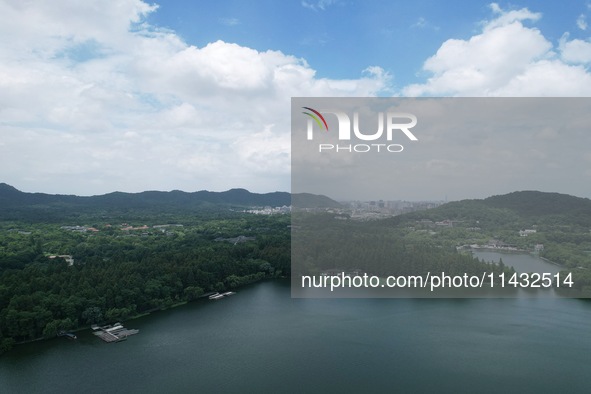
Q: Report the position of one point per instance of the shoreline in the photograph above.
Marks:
(552, 262)
(501, 250)
(517, 251)
(201, 298)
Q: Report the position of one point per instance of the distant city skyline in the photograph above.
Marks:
(101, 96)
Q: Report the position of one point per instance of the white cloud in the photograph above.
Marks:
(504, 18)
(506, 59)
(582, 22)
(420, 23)
(423, 23)
(319, 4)
(574, 51)
(264, 152)
(92, 99)
(49, 27)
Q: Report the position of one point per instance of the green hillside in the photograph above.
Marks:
(41, 207)
(555, 226)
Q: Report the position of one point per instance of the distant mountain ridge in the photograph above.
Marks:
(11, 195)
(564, 208)
(13, 199)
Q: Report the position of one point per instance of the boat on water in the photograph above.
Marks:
(69, 335)
(217, 296)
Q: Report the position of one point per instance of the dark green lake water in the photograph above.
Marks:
(261, 340)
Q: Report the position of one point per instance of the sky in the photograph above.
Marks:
(101, 96)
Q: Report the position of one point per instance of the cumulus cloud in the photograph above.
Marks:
(507, 58)
(503, 18)
(574, 51)
(94, 99)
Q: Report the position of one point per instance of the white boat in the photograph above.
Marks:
(217, 296)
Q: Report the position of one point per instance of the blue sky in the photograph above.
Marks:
(339, 39)
(98, 96)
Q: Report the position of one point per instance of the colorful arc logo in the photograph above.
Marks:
(317, 116)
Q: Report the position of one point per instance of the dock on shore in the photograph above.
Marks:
(114, 333)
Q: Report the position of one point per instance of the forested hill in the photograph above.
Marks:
(534, 203)
(529, 207)
(10, 196)
(555, 226)
(14, 203)
(307, 200)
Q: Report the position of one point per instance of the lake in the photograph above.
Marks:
(522, 262)
(261, 340)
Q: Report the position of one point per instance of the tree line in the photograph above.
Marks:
(119, 274)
